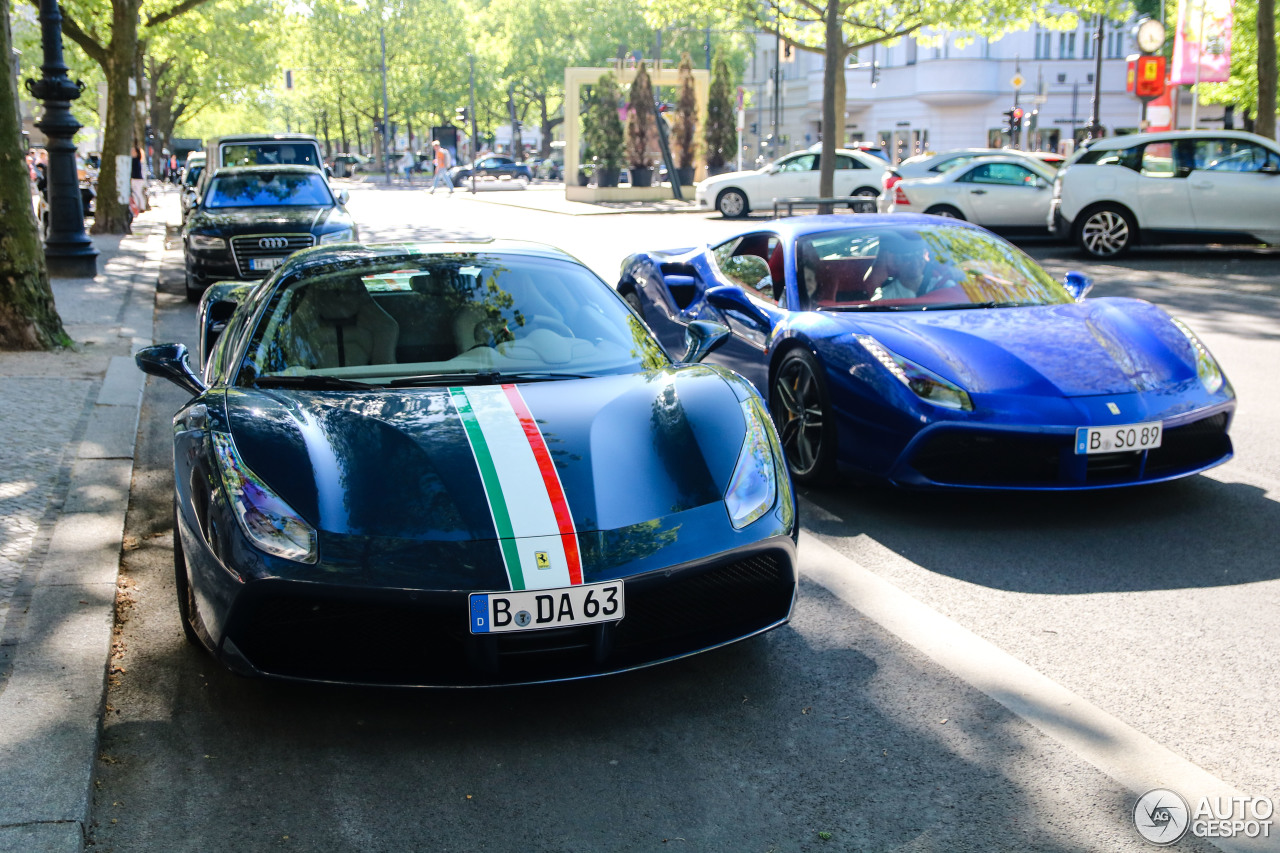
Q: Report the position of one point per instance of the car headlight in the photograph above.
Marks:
(346, 235)
(922, 381)
(1207, 368)
(206, 243)
(269, 522)
(753, 488)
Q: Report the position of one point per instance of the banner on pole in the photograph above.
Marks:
(1203, 38)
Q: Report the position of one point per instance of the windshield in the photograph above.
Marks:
(914, 268)
(448, 320)
(269, 189)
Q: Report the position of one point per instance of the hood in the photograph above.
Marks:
(412, 464)
(1102, 346)
(268, 219)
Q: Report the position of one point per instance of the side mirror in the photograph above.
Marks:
(1078, 284)
(733, 298)
(343, 196)
(169, 361)
(701, 337)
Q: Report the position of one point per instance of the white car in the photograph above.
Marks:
(1001, 193)
(793, 176)
(1200, 186)
(937, 163)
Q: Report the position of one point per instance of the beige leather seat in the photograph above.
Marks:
(338, 324)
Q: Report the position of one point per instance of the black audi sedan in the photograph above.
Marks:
(250, 218)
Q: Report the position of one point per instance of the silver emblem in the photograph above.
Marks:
(273, 243)
(1113, 408)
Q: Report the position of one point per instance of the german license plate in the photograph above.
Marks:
(1117, 439)
(536, 609)
(265, 263)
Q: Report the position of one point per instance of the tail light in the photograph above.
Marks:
(889, 179)
(899, 197)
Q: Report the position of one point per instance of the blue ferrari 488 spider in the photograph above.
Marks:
(930, 353)
(464, 464)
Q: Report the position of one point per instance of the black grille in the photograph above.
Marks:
(380, 637)
(246, 248)
(990, 459)
(1190, 446)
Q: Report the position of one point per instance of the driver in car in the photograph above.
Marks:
(909, 269)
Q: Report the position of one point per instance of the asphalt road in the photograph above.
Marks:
(1160, 606)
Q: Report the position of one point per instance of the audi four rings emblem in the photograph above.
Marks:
(273, 243)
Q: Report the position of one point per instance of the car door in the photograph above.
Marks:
(1003, 195)
(852, 175)
(736, 263)
(1233, 185)
(1160, 188)
(794, 177)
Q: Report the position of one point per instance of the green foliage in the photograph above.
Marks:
(602, 128)
(1242, 88)
(720, 135)
(642, 133)
(685, 123)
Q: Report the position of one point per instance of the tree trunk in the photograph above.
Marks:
(359, 136)
(111, 212)
(28, 318)
(833, 101)
(1266, 123)
(328, 145)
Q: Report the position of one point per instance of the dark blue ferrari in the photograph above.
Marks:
(464, 464)
(929, 353)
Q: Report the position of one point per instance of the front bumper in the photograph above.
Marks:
(1058, 224)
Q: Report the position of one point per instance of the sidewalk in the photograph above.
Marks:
(68, 422)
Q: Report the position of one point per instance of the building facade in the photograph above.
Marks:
(910, 98)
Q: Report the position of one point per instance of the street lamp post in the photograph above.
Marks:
(1094, 129)
(68, 250)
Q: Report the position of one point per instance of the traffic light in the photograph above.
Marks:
(1013, 121)
(463, 115)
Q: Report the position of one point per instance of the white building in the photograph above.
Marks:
(910, 98)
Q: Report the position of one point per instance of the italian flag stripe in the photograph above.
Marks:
(492, 487)
(530, 511)
(555, 490)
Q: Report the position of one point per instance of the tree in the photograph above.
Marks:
(642, 134)
(1266, 69)
(719, 136)
(1252, 85)
(602, 127)
(685, 123)
(28, 317)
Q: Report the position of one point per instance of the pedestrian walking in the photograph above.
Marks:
(443, 162)
(137, 183)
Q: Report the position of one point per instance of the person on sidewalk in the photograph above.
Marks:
(443, 162)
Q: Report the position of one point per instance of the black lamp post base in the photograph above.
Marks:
(65, 264)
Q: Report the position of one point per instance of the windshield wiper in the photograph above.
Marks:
(483, 377)
(312, 382)
(954, 306)
(870, 306)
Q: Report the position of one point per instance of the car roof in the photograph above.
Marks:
(1036, 164)
(253, 170)
(268, 137)
(800, 226)
(1110, 143)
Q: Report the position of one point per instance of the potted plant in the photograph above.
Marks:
(602, 130)
(642, 132)
(685, 123)
(720, 134)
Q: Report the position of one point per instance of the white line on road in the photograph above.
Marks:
(1117, 749)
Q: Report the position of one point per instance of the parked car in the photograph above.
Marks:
(796, 175)
(933, 163)
(1003, 193)
(1198, 186)
(263, 149)
(494, 166)
(929, 353)
(250, 219)
(399, 466)
(189, 183)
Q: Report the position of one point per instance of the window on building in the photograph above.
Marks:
(912, 49)
(1088, 46)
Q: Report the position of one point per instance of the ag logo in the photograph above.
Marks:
(1161, 816)
(542, 559)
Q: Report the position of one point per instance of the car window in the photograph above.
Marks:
(754, 262)
(1157, 160)
(799, 163)
(1007, 174)
(1231, 155)
(442, 316)
(953, 163)
(843, 161)
(270, 154)
(268, 189)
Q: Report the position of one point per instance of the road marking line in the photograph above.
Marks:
(1120, 751)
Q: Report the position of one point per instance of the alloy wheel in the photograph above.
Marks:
(800, 415)
(1105, 233)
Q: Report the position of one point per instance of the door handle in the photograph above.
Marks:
(977, 192)
(1202, 186)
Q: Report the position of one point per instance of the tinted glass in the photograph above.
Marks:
(269, 189)
(450, 316)
(918, 268)
(1231, 155)
(1007, 174)
(801, 163)
(270, 154)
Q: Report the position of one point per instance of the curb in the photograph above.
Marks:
(51, 704)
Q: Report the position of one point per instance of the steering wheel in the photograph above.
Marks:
(543, 321)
